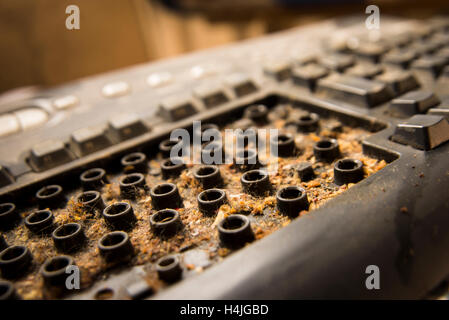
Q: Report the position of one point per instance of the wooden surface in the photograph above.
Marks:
(37, 49)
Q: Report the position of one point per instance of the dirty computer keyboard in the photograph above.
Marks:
(93, 206)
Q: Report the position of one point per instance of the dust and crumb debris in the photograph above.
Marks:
(199, 230)
(223, 252)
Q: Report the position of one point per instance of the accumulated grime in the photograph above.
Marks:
(197, 230)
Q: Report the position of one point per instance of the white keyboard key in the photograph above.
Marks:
(8, 125)
(65, 102)
(201, 71)
(159, 79)
(31, 117)
(116, 89)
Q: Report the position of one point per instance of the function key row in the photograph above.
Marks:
(240, 84)
(51, 153)
(22, 120)
(29, 117)
(84, 141)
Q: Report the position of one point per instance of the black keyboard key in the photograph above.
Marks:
(279, 70)
(337, 62)
(336, 44)
(401, 40)
(177, 107)
(241, 84)
(308, 75)
(429, 64)
(304, 59)
(5, 176)
(424, 48)
(414, 102)
(126, 126)
(400, 58)
(365, 70)
(49, 154)
(439, 112)
(443, 53)
(358, 91)
(88, 140)
(371, 51)
(399, 81)
(440, 39)
(211, 94)
(423, 132)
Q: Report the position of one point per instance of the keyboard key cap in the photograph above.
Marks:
(431, 64)
(442, 109)
(116, 89)
(365, 70)
(438, 111)
(399, 81)
(440, 39)
(424, 48)
(307, 76)
(400, 40)
(88, 140)
(423, 132)
(156, 80)
(49, 154)
(302, 59)
(65, 102)
(31, 117)
(443, 53)
(203, 71)
(337, 62)
(126, 126)
(241, 84)
(176, 108)
(279, 70)
(414, 102)
(9, 124)
(371, 51)
(211, 94)
(400, 58)
(358, 91)
(5, 177)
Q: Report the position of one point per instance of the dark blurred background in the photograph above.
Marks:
(37, 49)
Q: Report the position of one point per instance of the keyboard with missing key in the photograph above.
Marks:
(360, 177)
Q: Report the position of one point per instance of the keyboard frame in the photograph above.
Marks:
(308, 258)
